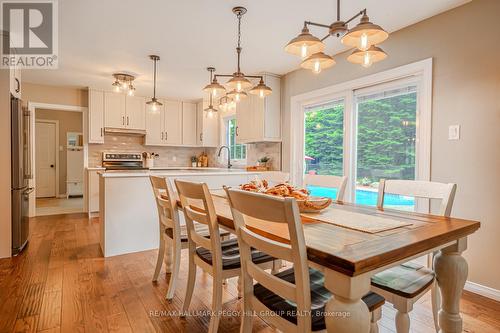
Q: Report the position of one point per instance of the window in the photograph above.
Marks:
(238, 151)
(324, 139)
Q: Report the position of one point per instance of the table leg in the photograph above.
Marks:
(345, 311)
(451, 273)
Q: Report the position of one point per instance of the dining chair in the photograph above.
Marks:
(278, 298)
(173, 236)
(220, 259)
(403, 285)
(275, 177)
(328, 181)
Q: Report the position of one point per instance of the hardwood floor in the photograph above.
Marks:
(61, 283)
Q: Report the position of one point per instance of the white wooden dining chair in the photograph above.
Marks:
(278, 298)
(328, 181)
(403, 285)
(276, 177)
(173, 236)
(219, 259)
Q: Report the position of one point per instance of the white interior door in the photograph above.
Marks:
(45, 152)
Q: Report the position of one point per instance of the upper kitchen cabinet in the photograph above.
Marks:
(135, 112)
(259, 119)
(164, 125)
(124, 112)
(189, 128)
(207, 126)
(114, 110)
(96, 116)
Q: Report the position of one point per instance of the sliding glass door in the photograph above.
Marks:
(386, 121)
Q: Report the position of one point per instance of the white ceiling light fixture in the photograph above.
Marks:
(363, 37)
(238, 81)
(154, 103)
(123, 82)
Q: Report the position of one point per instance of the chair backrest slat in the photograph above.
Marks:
(419, 189)
(248, 206)
(192, 191)
(328, 181)
(165, 202)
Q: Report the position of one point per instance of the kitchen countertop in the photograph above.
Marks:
(175, 171)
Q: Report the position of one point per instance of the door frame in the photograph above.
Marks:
(32, 107)
(346, 90)
(56, 152)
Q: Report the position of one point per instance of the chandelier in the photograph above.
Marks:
(238, 81)
(154, 103)
(124, 82)
(363, 37)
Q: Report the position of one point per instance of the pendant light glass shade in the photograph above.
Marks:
(364, 35)
(261, 90)
(154, 104)
(368, 57)
(317, 62)
(305, 44)
(239, 82)
(237, 95)
(215, 88)
(116, 85)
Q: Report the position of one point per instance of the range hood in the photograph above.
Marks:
(124, 131)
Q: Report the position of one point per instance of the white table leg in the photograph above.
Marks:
(451, 273)
(346, 312)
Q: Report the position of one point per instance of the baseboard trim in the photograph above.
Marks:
(482, 290)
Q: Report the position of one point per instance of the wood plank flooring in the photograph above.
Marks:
(61, 283)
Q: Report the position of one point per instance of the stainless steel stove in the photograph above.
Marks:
(122, 161)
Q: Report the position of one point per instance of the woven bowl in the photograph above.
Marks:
(313, 204)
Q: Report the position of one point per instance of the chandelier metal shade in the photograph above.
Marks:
(154, 103)
(364, 37)
(123, 82)
(238, 82)
(210, 109)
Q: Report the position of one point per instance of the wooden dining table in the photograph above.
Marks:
(349, 258)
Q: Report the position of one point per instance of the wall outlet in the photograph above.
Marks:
(454, 132)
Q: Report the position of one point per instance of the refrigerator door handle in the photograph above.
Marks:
(29, 191)
(28, 164)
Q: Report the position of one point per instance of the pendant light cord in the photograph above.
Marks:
(154, 79)
(238, 49)
(338, 10)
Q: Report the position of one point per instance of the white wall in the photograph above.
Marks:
(464, 46)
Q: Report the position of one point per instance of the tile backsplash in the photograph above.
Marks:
(169, 156)
(180, 156)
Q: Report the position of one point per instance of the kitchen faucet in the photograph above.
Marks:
(229, 165)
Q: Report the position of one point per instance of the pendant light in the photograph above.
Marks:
(368, 57)
(154, 103)
(363, 36)
(210, 109)
(238, 82)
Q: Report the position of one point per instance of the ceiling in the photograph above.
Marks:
(98, 38)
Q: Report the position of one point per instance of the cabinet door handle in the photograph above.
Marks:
(101, 132)
(236, 130)
(18, 88)
(201, 136)
(127, 121)
(166, 135)
(123, 120)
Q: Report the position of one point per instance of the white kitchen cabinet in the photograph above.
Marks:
(173, 122)
(259, 119)
(189, 115)
(114, 110)
(96, 116)
(93, 190)
(135, 112)
(207, 126)
(124, 112)
(164, 126)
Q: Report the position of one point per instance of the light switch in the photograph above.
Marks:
(454, 132)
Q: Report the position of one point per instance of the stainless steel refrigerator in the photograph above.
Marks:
(21, 173)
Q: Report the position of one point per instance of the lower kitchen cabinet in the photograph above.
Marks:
(93, 190)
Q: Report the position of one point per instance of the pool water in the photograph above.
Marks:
(364, 197)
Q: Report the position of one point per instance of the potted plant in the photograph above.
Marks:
(263, 161)
(194, 161)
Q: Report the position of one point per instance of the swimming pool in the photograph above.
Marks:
(364, 197)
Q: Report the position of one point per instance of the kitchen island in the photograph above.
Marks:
(128, 213)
